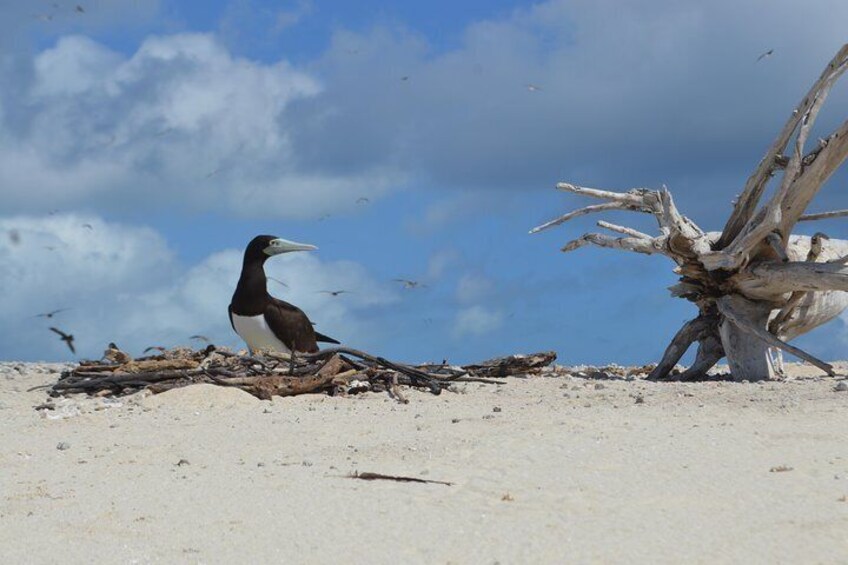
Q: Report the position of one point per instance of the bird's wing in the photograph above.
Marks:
(291, 326)
(70, 343)
(58, 331)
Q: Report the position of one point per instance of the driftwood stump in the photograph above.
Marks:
(755, 284)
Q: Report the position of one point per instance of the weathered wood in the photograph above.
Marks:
(635, 244)
(710, 352)
(622, 229)
(755, 186)
(512, 365)
(751, 318)
(259, 375)
(582, 212)
(755, 270)
(747, 352)
(692, 331)
(823, 215)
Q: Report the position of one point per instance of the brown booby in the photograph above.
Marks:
(262, 321)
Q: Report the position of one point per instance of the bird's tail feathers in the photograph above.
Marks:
(325, 339)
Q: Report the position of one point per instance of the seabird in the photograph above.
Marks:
(278, 281)
(262, 321)
(764, 55)
(201, 338)
(67, 338)
(51, 314)
(158, 348)
(534, 87)
(410, 284)
(334, 292)
(113, 354)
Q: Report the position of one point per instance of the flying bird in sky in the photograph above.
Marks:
(764, 55)
(14, 237)
(534, 87)
(334, 292)
(362, 200)
(51, 314)
(67, 338)
(278, 281)
(88, 226)
(410, 284)
(158, 348)
(80, 9)
(201, 338)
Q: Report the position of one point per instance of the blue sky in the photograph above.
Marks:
(178, 130)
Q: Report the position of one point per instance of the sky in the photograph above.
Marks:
(143, 144)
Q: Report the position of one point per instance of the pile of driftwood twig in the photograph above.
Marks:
(334, 371)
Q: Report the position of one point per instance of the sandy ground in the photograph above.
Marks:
(544, 470)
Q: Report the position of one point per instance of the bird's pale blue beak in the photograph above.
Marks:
(280, 245)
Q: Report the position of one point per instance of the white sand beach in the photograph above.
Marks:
(543, 470)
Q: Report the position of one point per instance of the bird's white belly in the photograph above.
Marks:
(256, 334)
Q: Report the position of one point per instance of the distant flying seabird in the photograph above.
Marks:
(278, 281)
(410, 284)
(67, 338)
(534, 88)
(158, 348)
(51, 314)
(764, 55)
(334, 292)
(201, 338)
(262, 321)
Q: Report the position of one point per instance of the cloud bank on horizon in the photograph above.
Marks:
(452, 135)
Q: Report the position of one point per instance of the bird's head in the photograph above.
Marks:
(263, 246)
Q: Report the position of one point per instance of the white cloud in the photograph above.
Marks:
(124, 284)
(290, 17)
(180, 119)
(441, 262)
(473, 288)
(477, 320)
(657, 70)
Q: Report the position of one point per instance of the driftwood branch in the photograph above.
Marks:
(692, 331)
(747, 202)
(755, 284)
(729, 309)
(823, 215)
(268, 375)
(622, 229)
(635, 244)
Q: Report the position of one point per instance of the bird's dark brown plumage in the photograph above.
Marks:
(288, 322)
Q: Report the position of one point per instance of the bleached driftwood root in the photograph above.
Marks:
(755, 284)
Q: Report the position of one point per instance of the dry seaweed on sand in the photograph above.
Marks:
(397, 478)
(331, 371)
